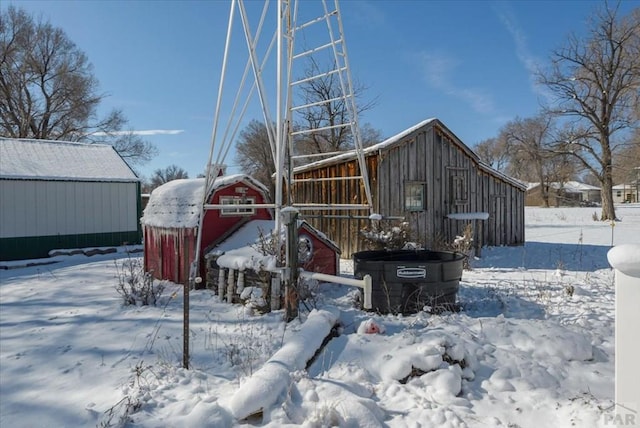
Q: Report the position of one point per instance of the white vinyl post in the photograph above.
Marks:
(625, 259)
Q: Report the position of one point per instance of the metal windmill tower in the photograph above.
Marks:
(306, 32)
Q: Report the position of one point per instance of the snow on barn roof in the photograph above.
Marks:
(178, 203)
(247, 235)
(242, 249)
(367, 150)
(398, 138)
(61, 160)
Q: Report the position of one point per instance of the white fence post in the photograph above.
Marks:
(221, 283)
(230, 286)
(625, 259)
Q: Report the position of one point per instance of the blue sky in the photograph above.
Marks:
(468, 63)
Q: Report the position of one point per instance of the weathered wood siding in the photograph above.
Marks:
(342, 227)
(455, 181)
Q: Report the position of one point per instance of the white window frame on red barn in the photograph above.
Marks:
(236, 201)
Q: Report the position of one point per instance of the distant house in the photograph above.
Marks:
(62, 195)
(170, 225)
(425, 175)
(571, 193)
(625, 193)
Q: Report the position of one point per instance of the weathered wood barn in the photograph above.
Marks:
(62, 195)
(423, 175)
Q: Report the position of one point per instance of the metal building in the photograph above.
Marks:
(62, 195)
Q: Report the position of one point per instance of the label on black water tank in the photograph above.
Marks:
(411, 272)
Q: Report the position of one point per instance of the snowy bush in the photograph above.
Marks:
(246, 347)
(268, 245)
(464, 244)
(135, 285)
(387, 235)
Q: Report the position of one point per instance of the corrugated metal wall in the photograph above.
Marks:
(41, 208)
(37, 216)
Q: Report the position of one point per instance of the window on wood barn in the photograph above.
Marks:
(415, 196)
(237, 202)
(459, 192)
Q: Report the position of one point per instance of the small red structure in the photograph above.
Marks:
(248, 258)
(170, 221)
(316, 253)
(170, 227)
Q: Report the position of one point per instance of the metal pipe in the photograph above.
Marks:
(365, 283)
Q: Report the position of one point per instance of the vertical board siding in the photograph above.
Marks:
(431, 155)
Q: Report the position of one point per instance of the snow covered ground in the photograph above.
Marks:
(533, 346)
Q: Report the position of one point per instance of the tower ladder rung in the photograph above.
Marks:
(323, 128)
(306, 180)
(318, 103)
(315, 21)
(318, 76)
(314, 50)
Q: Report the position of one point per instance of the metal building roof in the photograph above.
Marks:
(61, 160)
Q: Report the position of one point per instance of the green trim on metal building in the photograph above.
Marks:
(36, 247)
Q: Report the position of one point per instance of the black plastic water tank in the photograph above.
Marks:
(405, 281)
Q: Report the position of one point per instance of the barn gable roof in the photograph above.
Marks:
(177, 204)
(61, 160)
(398, 139)
(351, 154)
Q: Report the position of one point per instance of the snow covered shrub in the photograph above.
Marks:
(388, 235)
(135, 286)
(462, 244)
(245, 347)
(119, 414)
(268, 245)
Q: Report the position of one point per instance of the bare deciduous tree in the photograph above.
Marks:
(627, 159)
(494, 152)
(48, 90)
(170, 173)
(528, 141)
(329, 111)
(596, 85)
(253, 154)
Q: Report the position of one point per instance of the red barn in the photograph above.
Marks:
(170, 221)
(170, 225)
